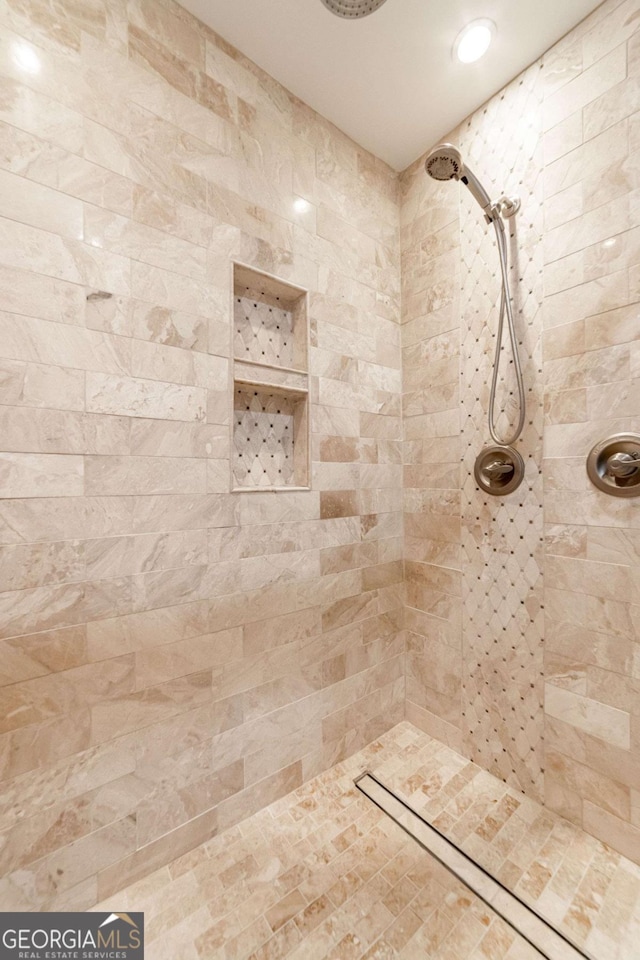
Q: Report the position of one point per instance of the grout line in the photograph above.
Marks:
(550, 942)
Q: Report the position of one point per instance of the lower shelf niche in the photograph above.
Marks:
(270, 438)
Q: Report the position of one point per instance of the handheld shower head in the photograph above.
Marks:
(445, 162)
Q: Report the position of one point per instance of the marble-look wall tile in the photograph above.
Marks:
(54, 431)
(33, 295)
(45, 342)
(39, 206)
(41, 385)
(144, 398)
(47, 118)
(591, 82)
(109, 476)
(39, 654)
(457, 546)
(174, 654)
(40, 475)
(584, 180)
(591, 619)
(178, 656)
(598, 719)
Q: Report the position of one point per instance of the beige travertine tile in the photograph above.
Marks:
(53, 431)
(121, 543)
(323, 873)
(563, 138)
(30, 248)
(108, 476)
(34, 295)
(589, 84)
(597, 719)
(594, 156)
(41, 207)
(40, 385)
(39, 654)
(618, 25)
(588, 165)
(30, 565)
(144, 398)
(42, 341)
(48, 118)
(41, 475)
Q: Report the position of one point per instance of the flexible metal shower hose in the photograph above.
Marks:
(505, 307)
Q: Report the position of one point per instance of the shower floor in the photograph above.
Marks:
(324, 873)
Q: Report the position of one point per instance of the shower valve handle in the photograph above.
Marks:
(623, 465)
(498, 469)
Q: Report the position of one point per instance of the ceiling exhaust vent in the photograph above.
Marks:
(353, 9)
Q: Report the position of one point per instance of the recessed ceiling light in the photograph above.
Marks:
(300, 205)
(474, 41)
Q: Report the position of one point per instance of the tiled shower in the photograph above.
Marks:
(244, 380)
(522, 611)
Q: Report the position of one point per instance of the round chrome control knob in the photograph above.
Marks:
(613, 465)
(499, 470)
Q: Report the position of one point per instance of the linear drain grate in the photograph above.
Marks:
(545, 938)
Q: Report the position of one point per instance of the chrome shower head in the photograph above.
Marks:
(445, 162)
(353, 9)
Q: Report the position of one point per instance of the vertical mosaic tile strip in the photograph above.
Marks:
(502, 538)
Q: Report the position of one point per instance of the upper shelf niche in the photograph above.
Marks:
(269, 320)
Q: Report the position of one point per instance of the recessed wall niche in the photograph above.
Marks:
(270, 419)
(269, 320)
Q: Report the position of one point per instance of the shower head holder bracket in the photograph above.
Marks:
(507, 207)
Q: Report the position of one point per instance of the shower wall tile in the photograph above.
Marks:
(60, 344)
(39, 385)
(473, 564)
(591, 616)
(583, 380)
(590, 83)
(41, 475)
(174, 656)
(144, 398)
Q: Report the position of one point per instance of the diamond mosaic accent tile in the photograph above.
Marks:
(262, 332)
(263, 438)
(502, 537)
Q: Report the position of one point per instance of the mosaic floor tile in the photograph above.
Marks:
(323, 873)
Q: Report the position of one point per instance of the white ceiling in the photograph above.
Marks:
(389, 80)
